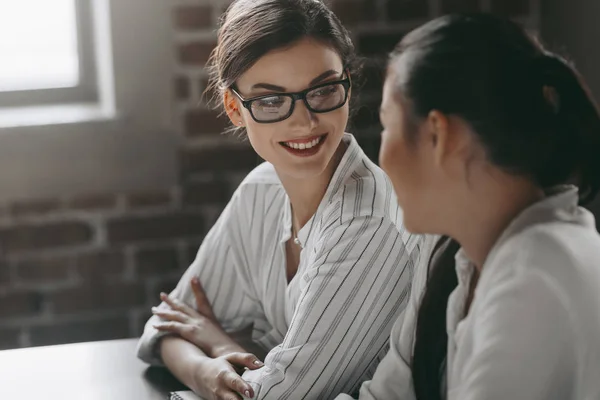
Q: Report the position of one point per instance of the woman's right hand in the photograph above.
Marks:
(219, 378)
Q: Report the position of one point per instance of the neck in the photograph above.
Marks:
(489, 211)
(306, 194)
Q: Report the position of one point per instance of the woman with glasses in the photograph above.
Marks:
(309, 258)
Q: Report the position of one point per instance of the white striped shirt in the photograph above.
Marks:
(326, 330)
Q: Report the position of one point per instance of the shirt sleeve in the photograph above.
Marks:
(523, 343)
(220, 266)
(355, 288)
(393, 377)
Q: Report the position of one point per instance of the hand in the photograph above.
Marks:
(219, 379)
(203, 330)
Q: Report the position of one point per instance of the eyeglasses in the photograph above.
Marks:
(277, 107)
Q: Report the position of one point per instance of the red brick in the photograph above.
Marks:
(93, 202)
(353, 12)
(205, 122)
(51, 235)
(157, 262)
(103, 328)
(232, 159)
(458, 6)
(182, 88)
(196, 53)
(44, 270)
(93, 267)
(34, 207)
(9, 338)
(19, 304)
(378, 43)
(512, 8)
(166, 226)
(398, 10)
(98, 296)
(149, 199)
(192, 17)
(201, 193)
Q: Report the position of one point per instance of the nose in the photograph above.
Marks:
(302, 117)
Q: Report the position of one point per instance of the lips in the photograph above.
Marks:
(303, 144)
(304, 147)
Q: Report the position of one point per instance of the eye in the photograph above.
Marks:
(324, 91)
(273, 101)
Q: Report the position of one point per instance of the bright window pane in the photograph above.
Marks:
(38, 44)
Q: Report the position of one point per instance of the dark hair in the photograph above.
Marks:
(528, 107)
(249, 29)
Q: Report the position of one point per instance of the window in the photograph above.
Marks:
(47, 55)
(101, 119)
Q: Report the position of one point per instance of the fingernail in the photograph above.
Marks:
(195, 280)
(258, 362)
(247, 393)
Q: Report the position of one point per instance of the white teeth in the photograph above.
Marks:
(303, 146)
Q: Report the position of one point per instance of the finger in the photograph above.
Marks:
(247, 360)
(170, 315)
(202, 303)
(177, 305)
(235, 382)
(174, 327)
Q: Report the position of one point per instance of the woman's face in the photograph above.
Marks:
(302, 145)
(407, 156)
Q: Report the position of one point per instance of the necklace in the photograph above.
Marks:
(295, 236)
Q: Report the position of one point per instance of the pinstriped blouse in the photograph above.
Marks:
(325, 331)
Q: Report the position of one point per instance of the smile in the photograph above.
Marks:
(304, 147)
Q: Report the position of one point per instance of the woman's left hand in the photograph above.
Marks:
(199, 327)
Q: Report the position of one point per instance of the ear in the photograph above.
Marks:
(449, 137)
(232, 108)
(438, 135)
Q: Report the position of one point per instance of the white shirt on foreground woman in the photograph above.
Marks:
(533, 329)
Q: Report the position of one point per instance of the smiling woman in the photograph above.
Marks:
(312, 242)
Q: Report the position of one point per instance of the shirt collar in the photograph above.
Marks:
(559, 204)
(345, 168)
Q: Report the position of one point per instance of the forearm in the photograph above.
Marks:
(183, 359)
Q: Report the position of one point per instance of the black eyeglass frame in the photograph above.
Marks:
(247, 103)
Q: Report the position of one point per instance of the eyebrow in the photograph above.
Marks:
(315, 81)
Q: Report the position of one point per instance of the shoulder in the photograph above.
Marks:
(550, 248)
(365, 191)
(260, 186)
(263, 174)
(550, 265)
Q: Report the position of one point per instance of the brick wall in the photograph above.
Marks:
(90, 267)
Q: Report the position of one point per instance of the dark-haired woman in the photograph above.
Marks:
(483, 131)
(309, 256)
